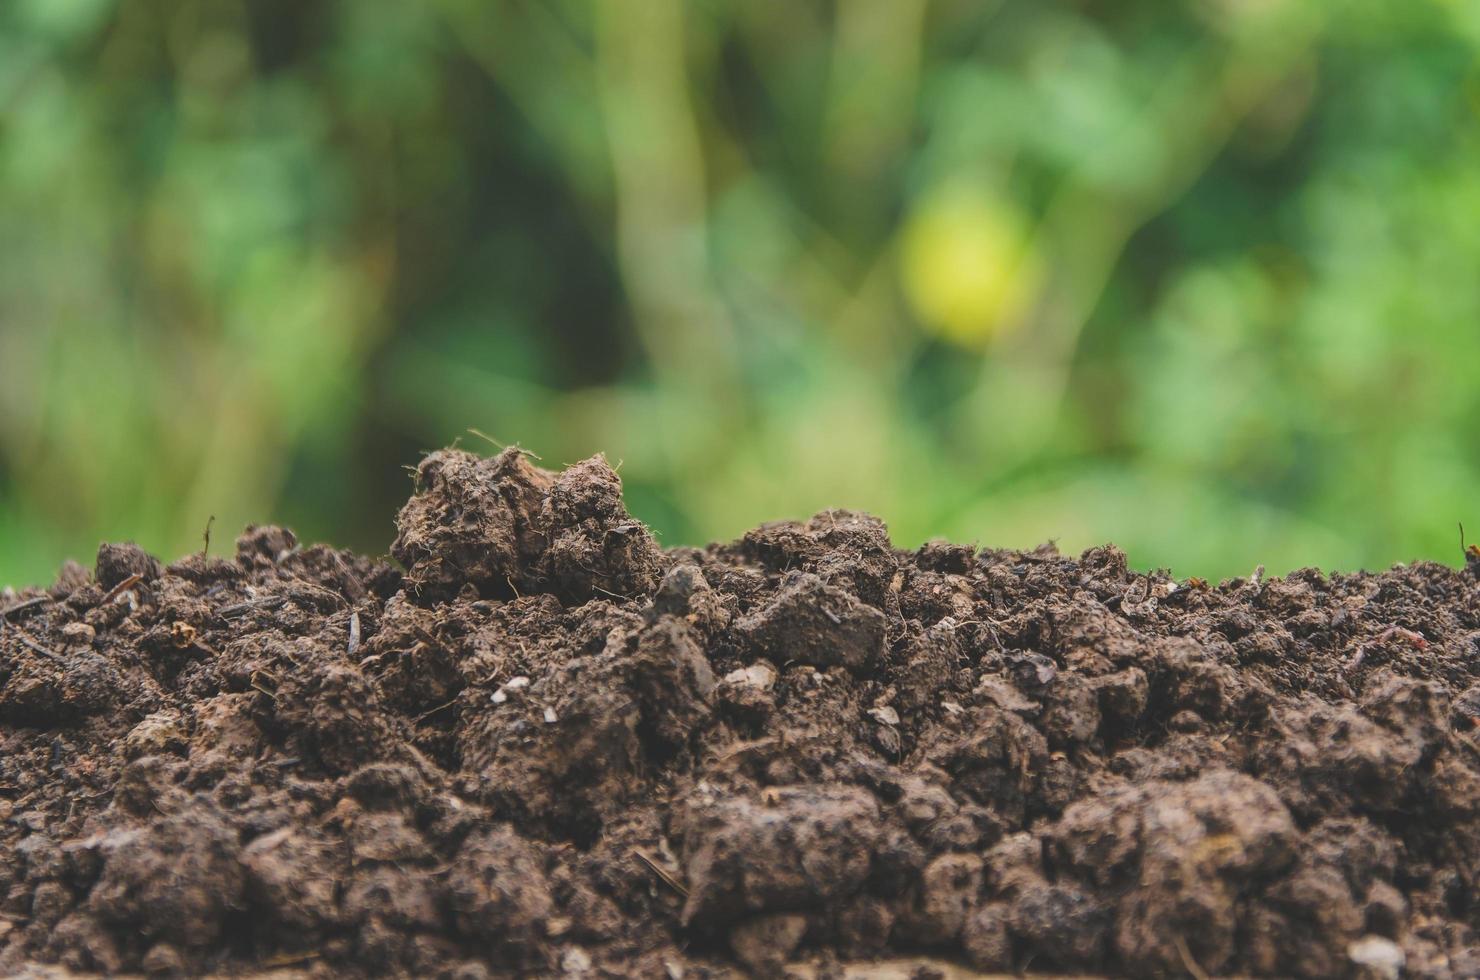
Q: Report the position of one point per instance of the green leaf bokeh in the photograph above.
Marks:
(1201, 278)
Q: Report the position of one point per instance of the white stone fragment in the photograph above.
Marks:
(885, 715)
(576, 961)
(1379, 956)
(759, 675)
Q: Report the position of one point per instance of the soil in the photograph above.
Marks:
(540, 744)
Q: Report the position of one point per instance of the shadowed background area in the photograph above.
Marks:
(1201, 278)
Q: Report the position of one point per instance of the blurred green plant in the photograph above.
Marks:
(1199, 278)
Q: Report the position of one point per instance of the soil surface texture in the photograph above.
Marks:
(539, 744)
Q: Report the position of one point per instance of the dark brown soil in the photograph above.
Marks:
(549, 747)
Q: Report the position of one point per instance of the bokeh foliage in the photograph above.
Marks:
(1202, 278)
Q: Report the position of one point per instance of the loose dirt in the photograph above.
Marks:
(546, 746)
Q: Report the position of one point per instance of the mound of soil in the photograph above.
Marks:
(546, 746)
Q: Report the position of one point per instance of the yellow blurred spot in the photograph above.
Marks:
(968, 268)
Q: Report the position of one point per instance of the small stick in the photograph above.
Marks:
(27, 641)
(427, 714)
(663, 873)
(291, 959)
(121, 588)
(354, 632)
(22, 606)
(623, 598)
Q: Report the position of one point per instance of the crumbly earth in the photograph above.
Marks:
(546, 746)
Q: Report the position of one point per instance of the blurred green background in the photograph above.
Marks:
(1198, 277)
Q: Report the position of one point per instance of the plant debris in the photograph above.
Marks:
(546, 746)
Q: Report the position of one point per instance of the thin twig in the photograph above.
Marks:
(121, 588)
(28, 641)
(427, 714)
(291, 959)
(608, 592)
(23, 606)
(664, 875)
